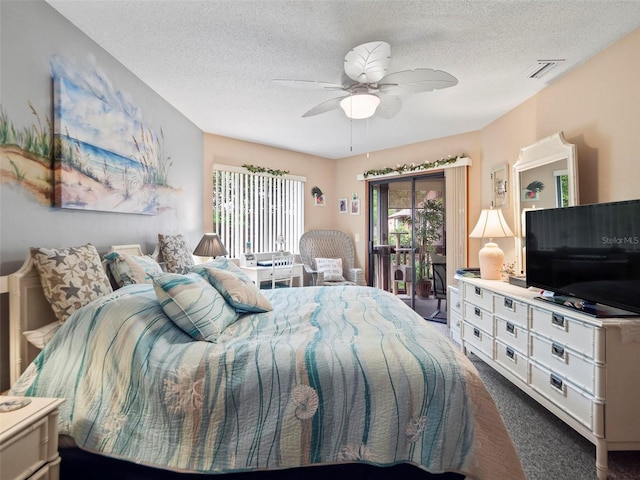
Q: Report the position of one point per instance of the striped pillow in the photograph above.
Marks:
(194, 305)
(129, 269)
(238, 290)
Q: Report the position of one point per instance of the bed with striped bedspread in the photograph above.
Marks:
(332, 375)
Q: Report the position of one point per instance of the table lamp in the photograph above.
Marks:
(210, 246)
(491, 224)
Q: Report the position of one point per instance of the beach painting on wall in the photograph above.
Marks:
(105, 158)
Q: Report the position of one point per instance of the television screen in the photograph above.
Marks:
(588, 253)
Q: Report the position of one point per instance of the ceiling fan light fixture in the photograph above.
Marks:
(360, 105)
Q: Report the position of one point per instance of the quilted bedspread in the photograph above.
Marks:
(331, 375)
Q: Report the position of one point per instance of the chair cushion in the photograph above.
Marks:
(332, 269)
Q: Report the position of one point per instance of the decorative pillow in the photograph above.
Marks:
(71, 277)
(129, 269)
(332, 269)
(194, 305)
(41, 336)
(238, 290)
(175, 252)
(223, 263)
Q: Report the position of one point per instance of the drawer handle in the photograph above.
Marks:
(511, 328)
(557, 350)
(476, 332)
(558, 320)
(458, 305)
(556, 382)
(478, 291)
(508, 303)
(477, 311)
(511, 353)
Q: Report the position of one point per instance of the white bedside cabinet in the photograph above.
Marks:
(29, 440)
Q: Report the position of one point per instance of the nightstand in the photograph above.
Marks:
(29, 440)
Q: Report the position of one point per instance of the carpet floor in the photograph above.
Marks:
(548, 448)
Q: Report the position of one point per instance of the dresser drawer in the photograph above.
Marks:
(44, 473)
(455, 301)
(478, 317)
(512, 334)
(573, 366)
(455, 325)
(512, 360)
(23, 454)
(573, 333)
(565, 395)
(478, 296)
(478, 339)
(513, 310)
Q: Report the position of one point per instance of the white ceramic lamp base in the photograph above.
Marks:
(491, 258)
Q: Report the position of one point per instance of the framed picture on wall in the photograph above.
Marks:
(499, 186)
(342, 205)
(355, 206)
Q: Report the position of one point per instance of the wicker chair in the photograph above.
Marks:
(329, 244)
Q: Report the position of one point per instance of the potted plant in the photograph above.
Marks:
(429, 226)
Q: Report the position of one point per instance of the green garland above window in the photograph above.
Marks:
(412, 167)
(270, 171)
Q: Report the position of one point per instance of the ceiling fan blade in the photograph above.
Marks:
(416, 81)
(389, 106)
(324, 107)
(368, 63)
(308, 84)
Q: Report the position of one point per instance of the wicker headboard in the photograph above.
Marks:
(29, 309)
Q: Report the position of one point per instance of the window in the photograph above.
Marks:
(257, 209)
(561, 178)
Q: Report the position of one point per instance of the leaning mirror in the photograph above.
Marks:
(545, 176)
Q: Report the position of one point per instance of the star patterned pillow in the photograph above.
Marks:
(71, 277)
(175, 253)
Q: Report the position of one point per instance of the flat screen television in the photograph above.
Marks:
(587, 257)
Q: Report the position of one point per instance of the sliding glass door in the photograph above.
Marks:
(399, 260)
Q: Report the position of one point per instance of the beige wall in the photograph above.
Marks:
(347, 170)
(318, 170)
(597, 106)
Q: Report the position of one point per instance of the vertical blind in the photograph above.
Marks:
(257, 209)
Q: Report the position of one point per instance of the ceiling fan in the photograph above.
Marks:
(370, 90)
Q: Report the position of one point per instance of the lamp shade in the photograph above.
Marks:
(360, 105)
(491, 224)
(210, 246)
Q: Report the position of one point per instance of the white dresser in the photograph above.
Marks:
(454, 318)
(29, 440)
(585, 370)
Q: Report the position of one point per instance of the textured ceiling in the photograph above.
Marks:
(214, 60)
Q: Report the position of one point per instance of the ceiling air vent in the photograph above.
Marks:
(541, 67)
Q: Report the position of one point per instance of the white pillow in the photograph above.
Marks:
(332, 269)
(41, 336)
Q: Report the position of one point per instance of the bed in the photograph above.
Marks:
(331, 380)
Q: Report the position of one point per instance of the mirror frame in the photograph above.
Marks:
(548, 150)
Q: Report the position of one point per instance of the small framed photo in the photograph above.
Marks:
(319, 201)
(530, 195)
(342, 205)
(499, 186)
(355, 206)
